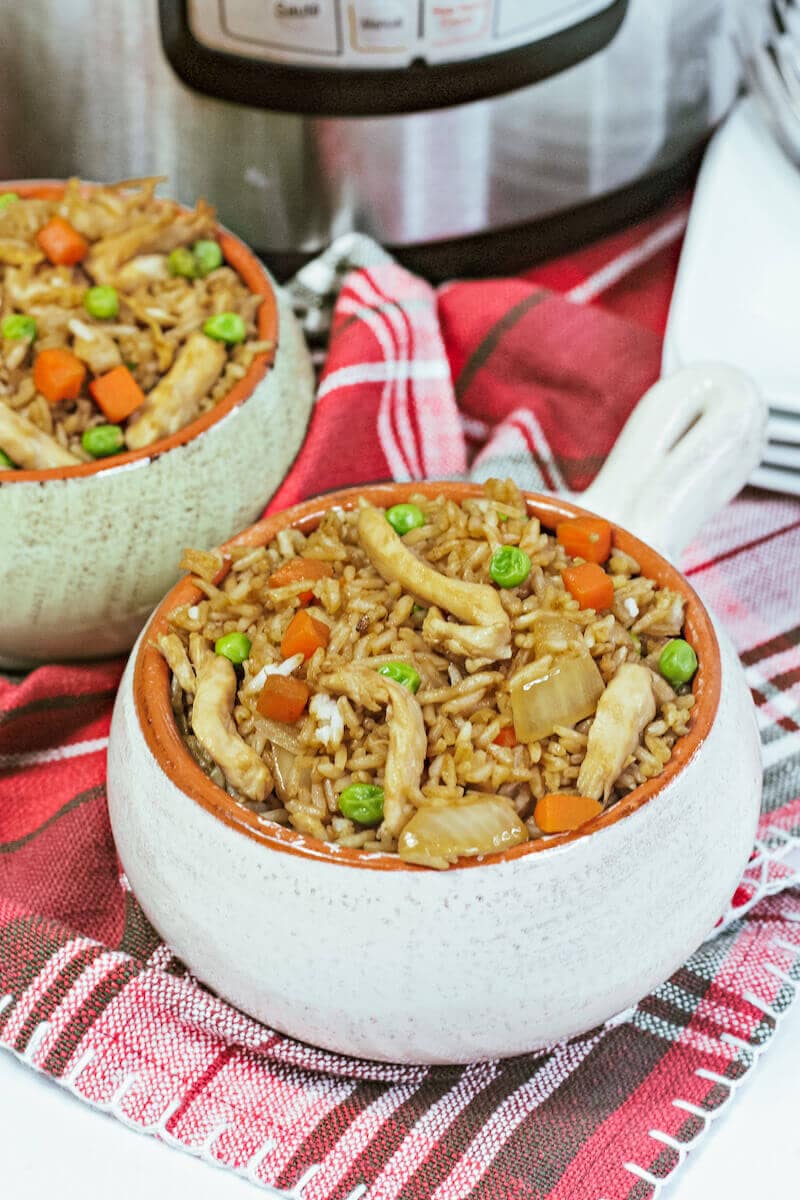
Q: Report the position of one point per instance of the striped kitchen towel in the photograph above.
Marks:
(533, 377)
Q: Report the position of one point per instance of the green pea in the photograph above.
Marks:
(5, 462)
(510, 566)
(677, 662)
(207, 256)
(363, 803)
(502, 518)
(101, 302)
(234, 646)
(102, 440)
(405, 517)
(402, 673)
(7, 199)
(226, 327)
(17, 326)
(180, 261)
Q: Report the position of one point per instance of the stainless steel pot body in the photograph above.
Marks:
(87, 89)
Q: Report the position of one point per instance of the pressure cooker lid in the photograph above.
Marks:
(373, 57)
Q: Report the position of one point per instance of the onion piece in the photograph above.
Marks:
(477, 824)
(566, 694)
(283, 761)
(277, 733)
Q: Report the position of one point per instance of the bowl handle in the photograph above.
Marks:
(690, 444)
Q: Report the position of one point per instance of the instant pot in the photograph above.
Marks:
(467, 135)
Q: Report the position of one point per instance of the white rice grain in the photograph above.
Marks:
(330, 725)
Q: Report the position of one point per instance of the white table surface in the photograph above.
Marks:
(50, 1140)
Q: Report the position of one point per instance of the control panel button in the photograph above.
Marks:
(380, 25)
(458, 20)
(306, 25)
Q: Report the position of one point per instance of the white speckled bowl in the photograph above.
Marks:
(87, 551)
(366, 955)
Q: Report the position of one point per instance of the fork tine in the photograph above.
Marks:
(784, 43)
(769, 51)
(778, 15)
(781, 428)
(782, 456)
(789, 15)
(788, 64)
(767, 40)
(776, 480)
(766, 82)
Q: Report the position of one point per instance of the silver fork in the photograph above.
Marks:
(768, 43)
(767, 38)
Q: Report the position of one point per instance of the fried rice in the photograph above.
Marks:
(473, 744)
(129, 237)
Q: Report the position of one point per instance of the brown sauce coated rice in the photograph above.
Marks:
(124, 224)
(464, 704)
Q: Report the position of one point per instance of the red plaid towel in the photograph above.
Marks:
(530, 376)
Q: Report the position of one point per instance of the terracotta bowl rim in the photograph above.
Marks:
(155, 717)
(243, 260)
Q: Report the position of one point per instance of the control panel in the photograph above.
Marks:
(380, 33)
(377, 57)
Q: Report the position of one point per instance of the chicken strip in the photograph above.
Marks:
(183, 228)
(47, 295)
(29, 446)
(142, 270)
(94, 347)
(483, 643)
(663, 693)
(175, 400)
(170, 228)
(485, 634)
(215, 730)
(199, 650)
(107, 255)
(625, 708)
(174, 652)
(15, 253)
(25, 220)
(408, 743)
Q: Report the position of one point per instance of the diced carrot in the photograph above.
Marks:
(117, 393)
(506, 737)
(58, 375)
(557, 813)
(304, 635)
(283, 698)
(585, 537)
(589, 585)
(299, 569)
(62, 244)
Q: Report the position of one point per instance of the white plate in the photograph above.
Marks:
(736, 293)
